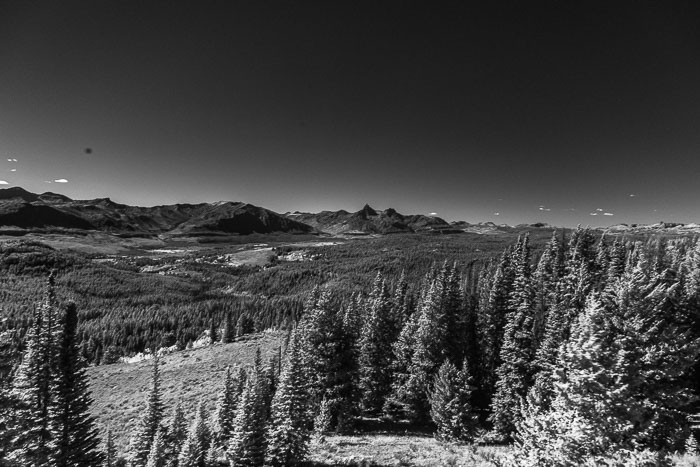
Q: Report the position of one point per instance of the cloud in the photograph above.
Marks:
(13, 170)
(48, 181)
(433, 213)
(3, 182)
(496, 213)
(608, 214)
(632, 195)
(9, 160)
(61, 180)
(599, 210)
(594, 214)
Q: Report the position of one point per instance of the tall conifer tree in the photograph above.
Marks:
(74, 433)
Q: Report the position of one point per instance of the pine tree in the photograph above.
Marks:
(288, 434)
(247, 446)
(329, 358)
(492, 320)
(618, 380)
(176, 435)
(399, 403)
(377, 337)
(196, 446)
(150, 423)
(157, 455)
(226, 410)
(516, 372)
(450, 403)
(110, 451)
(229, 333)
(74, 433)
(35, 375)
(213, 331)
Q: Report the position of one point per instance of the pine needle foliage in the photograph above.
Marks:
(288, 435)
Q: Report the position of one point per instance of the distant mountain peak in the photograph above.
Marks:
(367, 210)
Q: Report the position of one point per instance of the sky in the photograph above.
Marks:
(511, 112)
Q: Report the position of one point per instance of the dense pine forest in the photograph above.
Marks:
(569, 348)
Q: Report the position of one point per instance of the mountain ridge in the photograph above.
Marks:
(29, 211)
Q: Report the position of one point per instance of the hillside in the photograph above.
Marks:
(24, 210)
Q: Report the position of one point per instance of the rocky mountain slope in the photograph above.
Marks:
(369, 221)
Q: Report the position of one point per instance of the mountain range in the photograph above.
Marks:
(21, 209)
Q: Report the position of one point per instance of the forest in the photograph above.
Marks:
(565, 347)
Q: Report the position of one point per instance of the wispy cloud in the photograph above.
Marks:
(61, 180)
(496, 213)
(599, 210)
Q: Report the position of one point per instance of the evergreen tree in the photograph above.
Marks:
(74, 434)
(329, 359)
(157, 456)
(196, 446)
(213, 331)
(247, 446)
(150, 423)
(515, 373)
(110, 451)
(35, 375)
(175, 436)
(288, 435)
(618, 380)
(226, 409)
(450, 403)
(377, 337)
(399, 403)
(431, 338)
(229, 333)
(492, 320)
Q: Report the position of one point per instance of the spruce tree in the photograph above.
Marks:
(196, 446)
(176, 435)
(110, 451)
(229, 333)
(74, 434)
(450, 403)
(492, 319)
(329, 358)
(288, 435)
(618, 384)
(213, 331)
(157, 456)
(226, 410)
(377, 337)
(516, 372)
(151, 421)
(247, 445)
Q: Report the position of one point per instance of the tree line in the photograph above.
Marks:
(585, 353)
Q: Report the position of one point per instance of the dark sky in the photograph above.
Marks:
(537, 111)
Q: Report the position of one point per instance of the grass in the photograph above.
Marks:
(120, 390)
(398, 450)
